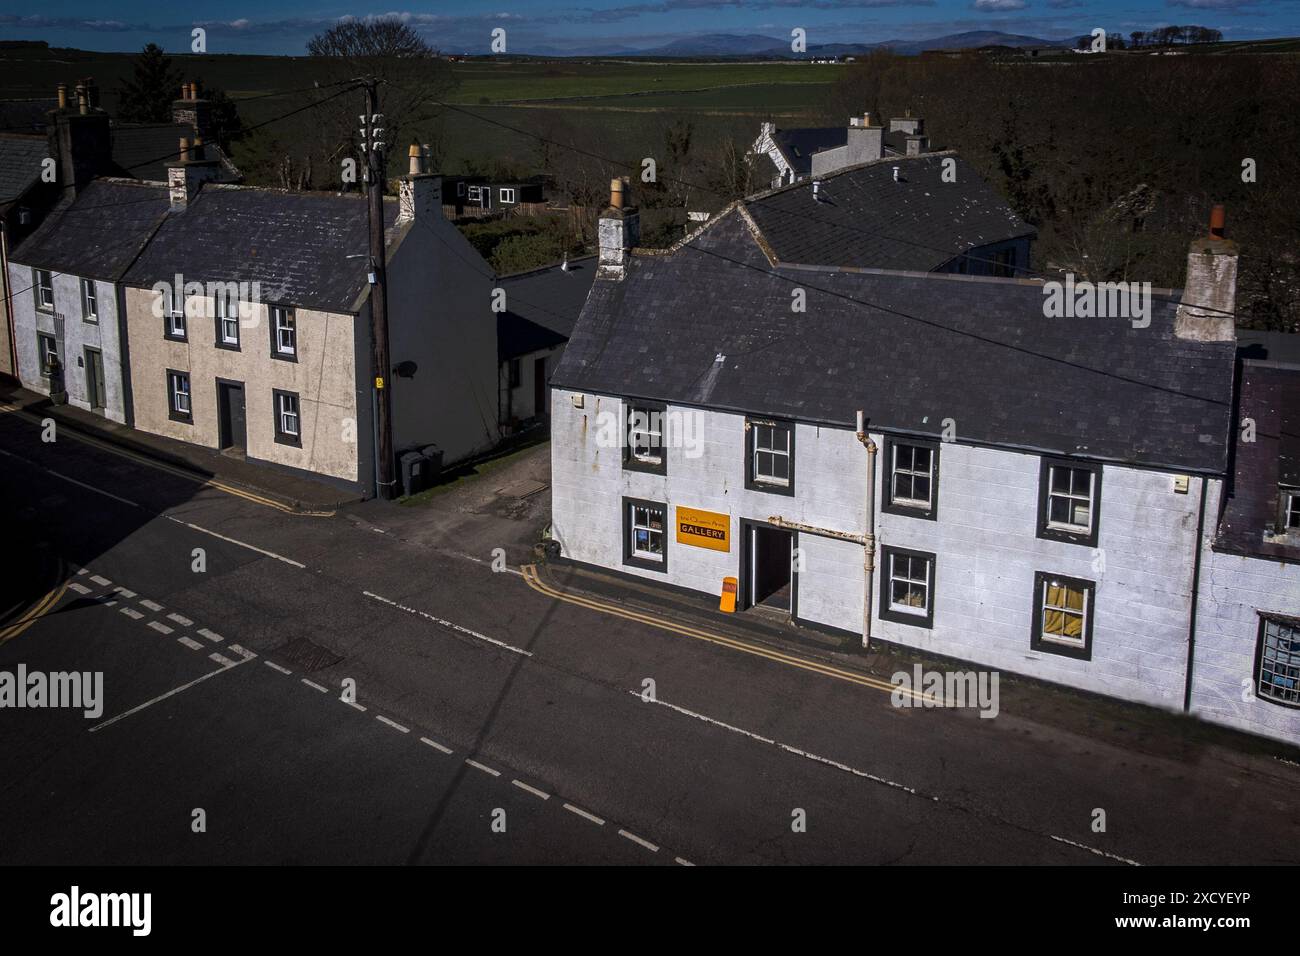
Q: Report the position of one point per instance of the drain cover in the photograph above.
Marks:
(308, 656)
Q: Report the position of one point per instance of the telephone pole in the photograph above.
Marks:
(373, 145)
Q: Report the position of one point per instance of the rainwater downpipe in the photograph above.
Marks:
(868, 539)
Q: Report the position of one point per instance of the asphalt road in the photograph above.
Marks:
(494, 724)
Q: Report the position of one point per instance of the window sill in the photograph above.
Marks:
(285, 356)
(771, 489)
(281, 439)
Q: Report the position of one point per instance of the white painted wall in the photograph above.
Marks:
(518, 402)
(984, 537)
(1233, 590)
(73, 334)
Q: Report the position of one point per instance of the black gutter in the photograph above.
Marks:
(1196, 590)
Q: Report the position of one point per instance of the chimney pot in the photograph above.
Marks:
(63, 96)
(416, 159)
(82, 104)
(197, 152)
(185, 150)
(1218, 219)
(616, 193)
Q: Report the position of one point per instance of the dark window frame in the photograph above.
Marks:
(887, 503)
(1036, 640)
(42, 353)
(751, 436)
(630, 461)
(887, 612)
(275, 331)
(1045, 531)
(632, 560)
(37, 286)
(172, 412)
(1264, 619)
(282, 437)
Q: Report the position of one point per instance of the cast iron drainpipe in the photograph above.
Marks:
(868, 539)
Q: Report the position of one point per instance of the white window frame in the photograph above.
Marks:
(222, 308)
(176, 320)
(914, 473)
(1290, 510)
(285, 414)
(923, 582)
(290, 326)
(776, 428)
(1071, 495)
(460, 189)
(89, 301)
(661, 531)
(176, 394)
(44, 288)
(507, 194)
(644, 454)
(1066, 611)
(47, 346)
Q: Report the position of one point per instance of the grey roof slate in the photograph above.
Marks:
(798, 145)
(542, 307)
(145, 150)
(297, 245)
(866, 219)
(925, 348)
(20, 164)
(98, 232)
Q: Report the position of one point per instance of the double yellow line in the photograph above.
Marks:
(169, 469)
(537, 584)
(39, 610)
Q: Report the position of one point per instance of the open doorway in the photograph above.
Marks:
(769, 567)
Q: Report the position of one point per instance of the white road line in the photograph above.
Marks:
(636, 839)
(793, 750)
(242, 652)
(102, 582)
(355, 706)
(151, 605)
(435, 745)
(478, 766)
(123, 592)
(215, 638)
(392, 723)
(470, 557)
(131, 612)
(161, 697)
(190, 642)
(160, 628)
(182, 621)
(79, 570)
(274, 666)
(533, 790)
(449, 624)
(220, 659)
(315, 686)
(1109, 856)
(82, 484)
(108, 603)
(79, 588)
(684, 862)
(583, 813)
(242, 544)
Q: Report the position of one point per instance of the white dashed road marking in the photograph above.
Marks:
(101, 581)
(79, 588)
(190, 642)
(224, 661)
(636, 839)
(533, 790)
(435, 745)
(273, 665)
(160, 628)
(215, 638)
(131, 612)
(123, 592)
(583, 813)
(354, 705)
(315, 686)
(449, 624)
(684, 862)
(151, 605)
(478, 766)
(392, 723)
(1109, 856)
(182, 621)
(242, 544)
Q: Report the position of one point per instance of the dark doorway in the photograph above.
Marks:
(769, 554)
(95, 379)
(230, 416)
(540, 405)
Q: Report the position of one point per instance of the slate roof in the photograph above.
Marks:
(866, 219)
(26, 116)
(1270, 394)
(798, 145)
(144, 150)
(542, 307)
(98, 232)
(297, 245)
(20, 164)
(976, 350)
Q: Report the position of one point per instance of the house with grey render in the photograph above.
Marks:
(933, 460)
(798, 153)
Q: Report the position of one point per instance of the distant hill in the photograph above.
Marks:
(732, 45)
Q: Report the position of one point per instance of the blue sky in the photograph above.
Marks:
(241, 26)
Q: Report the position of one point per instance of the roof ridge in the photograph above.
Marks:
(892, 160)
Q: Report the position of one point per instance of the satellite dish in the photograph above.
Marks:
(405, 369)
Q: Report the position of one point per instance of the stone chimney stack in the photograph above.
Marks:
(1207, 310)
(79, 136)
(917, 144)
(192, 111)
(910, 125)
(864, 143)
(187, 174)
(619, 230)
(419, 192)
